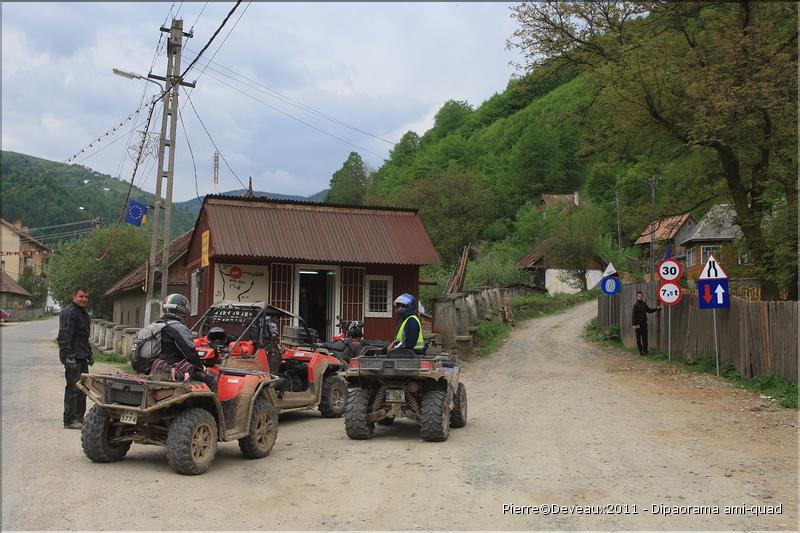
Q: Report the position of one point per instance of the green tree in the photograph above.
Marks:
(349, 183)
(715, 76)
(34, 284)
(74, 265)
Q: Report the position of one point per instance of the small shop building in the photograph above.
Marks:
(324, 262)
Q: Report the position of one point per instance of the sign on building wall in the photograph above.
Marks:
(240, 283)
(204, 244)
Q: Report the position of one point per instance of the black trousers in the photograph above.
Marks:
(74, 399)
(641, 338)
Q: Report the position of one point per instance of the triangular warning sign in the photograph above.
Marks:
(712, 270)
(610, 270)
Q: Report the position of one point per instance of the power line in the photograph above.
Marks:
(301, 121)
(91, 220)
(185, 134)
(269, 91)
(211, 40)
(198, 17)
(212, 141)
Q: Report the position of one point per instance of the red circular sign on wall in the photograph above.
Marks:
(236, 273)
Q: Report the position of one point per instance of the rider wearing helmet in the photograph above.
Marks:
(178, 352)
(409, 334)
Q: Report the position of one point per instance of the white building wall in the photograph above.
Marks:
(554, 284)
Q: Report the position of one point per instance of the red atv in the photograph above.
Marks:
(308, 376)
(350, 342)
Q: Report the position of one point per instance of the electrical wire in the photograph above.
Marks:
(61, 225)
(196, 190)
(198, 17)
(188, 99)
(269, 91)
(301, 121)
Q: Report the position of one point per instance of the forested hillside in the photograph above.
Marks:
(30, 183)
(700, 98)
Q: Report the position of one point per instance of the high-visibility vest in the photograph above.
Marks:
(420, 344)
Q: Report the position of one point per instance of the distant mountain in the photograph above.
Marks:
(41, 193)
(193, 205)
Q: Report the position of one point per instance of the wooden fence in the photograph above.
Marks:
(759, 338)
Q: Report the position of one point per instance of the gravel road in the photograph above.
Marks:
(553, 419)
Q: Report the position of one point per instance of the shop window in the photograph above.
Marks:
(378, 297)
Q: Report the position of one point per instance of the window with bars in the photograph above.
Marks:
(281, 281)
(352, 294)
(378, 297)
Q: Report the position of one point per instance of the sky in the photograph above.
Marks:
(292, 88)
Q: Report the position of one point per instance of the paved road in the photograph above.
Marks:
(553, 420)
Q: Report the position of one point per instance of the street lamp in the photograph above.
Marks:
(134, 76)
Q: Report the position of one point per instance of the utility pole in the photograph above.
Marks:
(653, 184)
(169, 121)
(619, 228)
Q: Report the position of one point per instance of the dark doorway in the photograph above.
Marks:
(316, 300)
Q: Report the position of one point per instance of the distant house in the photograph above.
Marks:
(20, 250)
(569, 201)
(550, 274)
(715, 234)
(668, 231)
(322, 261)
(128, 294)
(12, 295)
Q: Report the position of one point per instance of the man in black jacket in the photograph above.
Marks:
(75, 354)
(640, 310)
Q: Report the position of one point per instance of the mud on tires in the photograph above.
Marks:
(192, 441)
(95, 438)
(434, 416)
(458, 417)
(333, 400)
(263, 430)
(355, 415)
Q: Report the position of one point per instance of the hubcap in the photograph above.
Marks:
(201, 443)
(264, 429)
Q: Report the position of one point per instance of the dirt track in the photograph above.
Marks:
(552, 420)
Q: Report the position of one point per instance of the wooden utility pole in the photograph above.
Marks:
(162, 226)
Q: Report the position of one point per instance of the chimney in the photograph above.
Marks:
(576, 198)
(18, 224)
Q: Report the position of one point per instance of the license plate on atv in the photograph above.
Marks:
(395, 395)
(129, 417)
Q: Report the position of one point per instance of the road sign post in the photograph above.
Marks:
(713, 293)
(669, 293)
(610, 285)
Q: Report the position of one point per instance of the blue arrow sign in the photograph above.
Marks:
(713, 293)
(610, 285)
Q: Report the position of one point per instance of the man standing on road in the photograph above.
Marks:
(75, 353)
(640, 310)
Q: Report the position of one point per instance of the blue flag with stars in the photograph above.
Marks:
(136, 213)
(667, 253)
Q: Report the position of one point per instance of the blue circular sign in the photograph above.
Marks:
(610, 285)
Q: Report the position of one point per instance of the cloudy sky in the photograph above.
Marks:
(374, 70)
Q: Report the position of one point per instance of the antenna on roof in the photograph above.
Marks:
(216, 172)
(249, 192)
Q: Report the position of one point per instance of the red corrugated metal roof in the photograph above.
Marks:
(300, 231)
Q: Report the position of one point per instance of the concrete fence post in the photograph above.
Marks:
(116, 344)
(100, 335)
(128, 338)
(108, 338)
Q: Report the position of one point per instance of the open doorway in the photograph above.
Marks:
(317, 299)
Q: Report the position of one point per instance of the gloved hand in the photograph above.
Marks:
(91, 360)
(70, 363)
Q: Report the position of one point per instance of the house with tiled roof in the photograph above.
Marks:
(322, 261)
(18, 249)
(716, 233)
(12, 294)
(666, 231)
(551, 275)
(569, 201)
(128, 294)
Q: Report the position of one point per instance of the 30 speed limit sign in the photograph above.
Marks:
(669, 269)
(670, 293)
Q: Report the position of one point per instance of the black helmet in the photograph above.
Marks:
(176, 305)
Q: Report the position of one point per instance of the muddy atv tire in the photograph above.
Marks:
(355, 415)
(263, 430)
(95, 438)
(434, 417)
(458, 417)
(192, 441)
(333, 400)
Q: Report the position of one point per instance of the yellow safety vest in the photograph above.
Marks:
(420, 344)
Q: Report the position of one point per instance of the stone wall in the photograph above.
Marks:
(109, 337)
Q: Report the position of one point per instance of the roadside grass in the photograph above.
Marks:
(115, 359)
(490, 336)
(783, 391)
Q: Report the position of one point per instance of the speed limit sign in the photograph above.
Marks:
(670, 293)
(669, 269)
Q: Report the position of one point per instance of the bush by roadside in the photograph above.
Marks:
(783, 391)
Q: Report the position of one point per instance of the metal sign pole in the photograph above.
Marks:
(669, 333)
(716, 346)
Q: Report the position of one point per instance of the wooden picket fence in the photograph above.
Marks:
(759, 338)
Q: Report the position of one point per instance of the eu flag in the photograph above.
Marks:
(136, 212)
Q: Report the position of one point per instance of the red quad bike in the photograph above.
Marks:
(185, 417)
(308, 376)
(351, 343)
